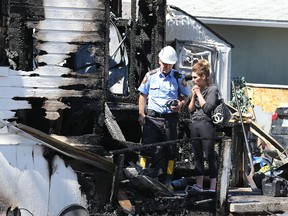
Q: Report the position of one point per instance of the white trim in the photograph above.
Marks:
(256, 23)
(257, 85)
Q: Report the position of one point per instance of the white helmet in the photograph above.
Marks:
(168, 55)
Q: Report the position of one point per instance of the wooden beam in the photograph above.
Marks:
(258, 131)
(112, 125)
(70, 151)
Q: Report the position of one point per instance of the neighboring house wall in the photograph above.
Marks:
(259, 54)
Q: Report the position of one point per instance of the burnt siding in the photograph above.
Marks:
(19, 42)
(55, 30)
(30, 9)
(148, 36)
(19, 36)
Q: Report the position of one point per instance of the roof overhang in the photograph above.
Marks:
(241, 22)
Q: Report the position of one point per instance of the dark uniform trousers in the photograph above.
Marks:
(159, 128)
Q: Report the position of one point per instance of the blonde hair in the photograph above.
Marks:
(202, 67)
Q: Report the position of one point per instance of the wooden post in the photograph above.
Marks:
(223, 177)
(237, 156)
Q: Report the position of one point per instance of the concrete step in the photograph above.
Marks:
(245, 201)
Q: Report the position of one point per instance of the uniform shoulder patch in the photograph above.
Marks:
(149, 73)
(152, 72)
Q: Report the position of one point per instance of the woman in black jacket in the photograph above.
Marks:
(203, 101)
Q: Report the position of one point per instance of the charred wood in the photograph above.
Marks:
(66, 149)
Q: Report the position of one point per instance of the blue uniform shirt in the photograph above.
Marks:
(161, 88)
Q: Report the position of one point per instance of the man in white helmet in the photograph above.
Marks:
(163, 92)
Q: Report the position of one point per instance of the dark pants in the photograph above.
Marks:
(204, 129)
(159, 130)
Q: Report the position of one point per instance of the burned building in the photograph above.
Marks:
(65, 72)
(69, 75)
(62, 50)
(61, 62)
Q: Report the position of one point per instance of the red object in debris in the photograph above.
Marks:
(274, 116)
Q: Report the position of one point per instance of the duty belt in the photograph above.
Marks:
(155, 114)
